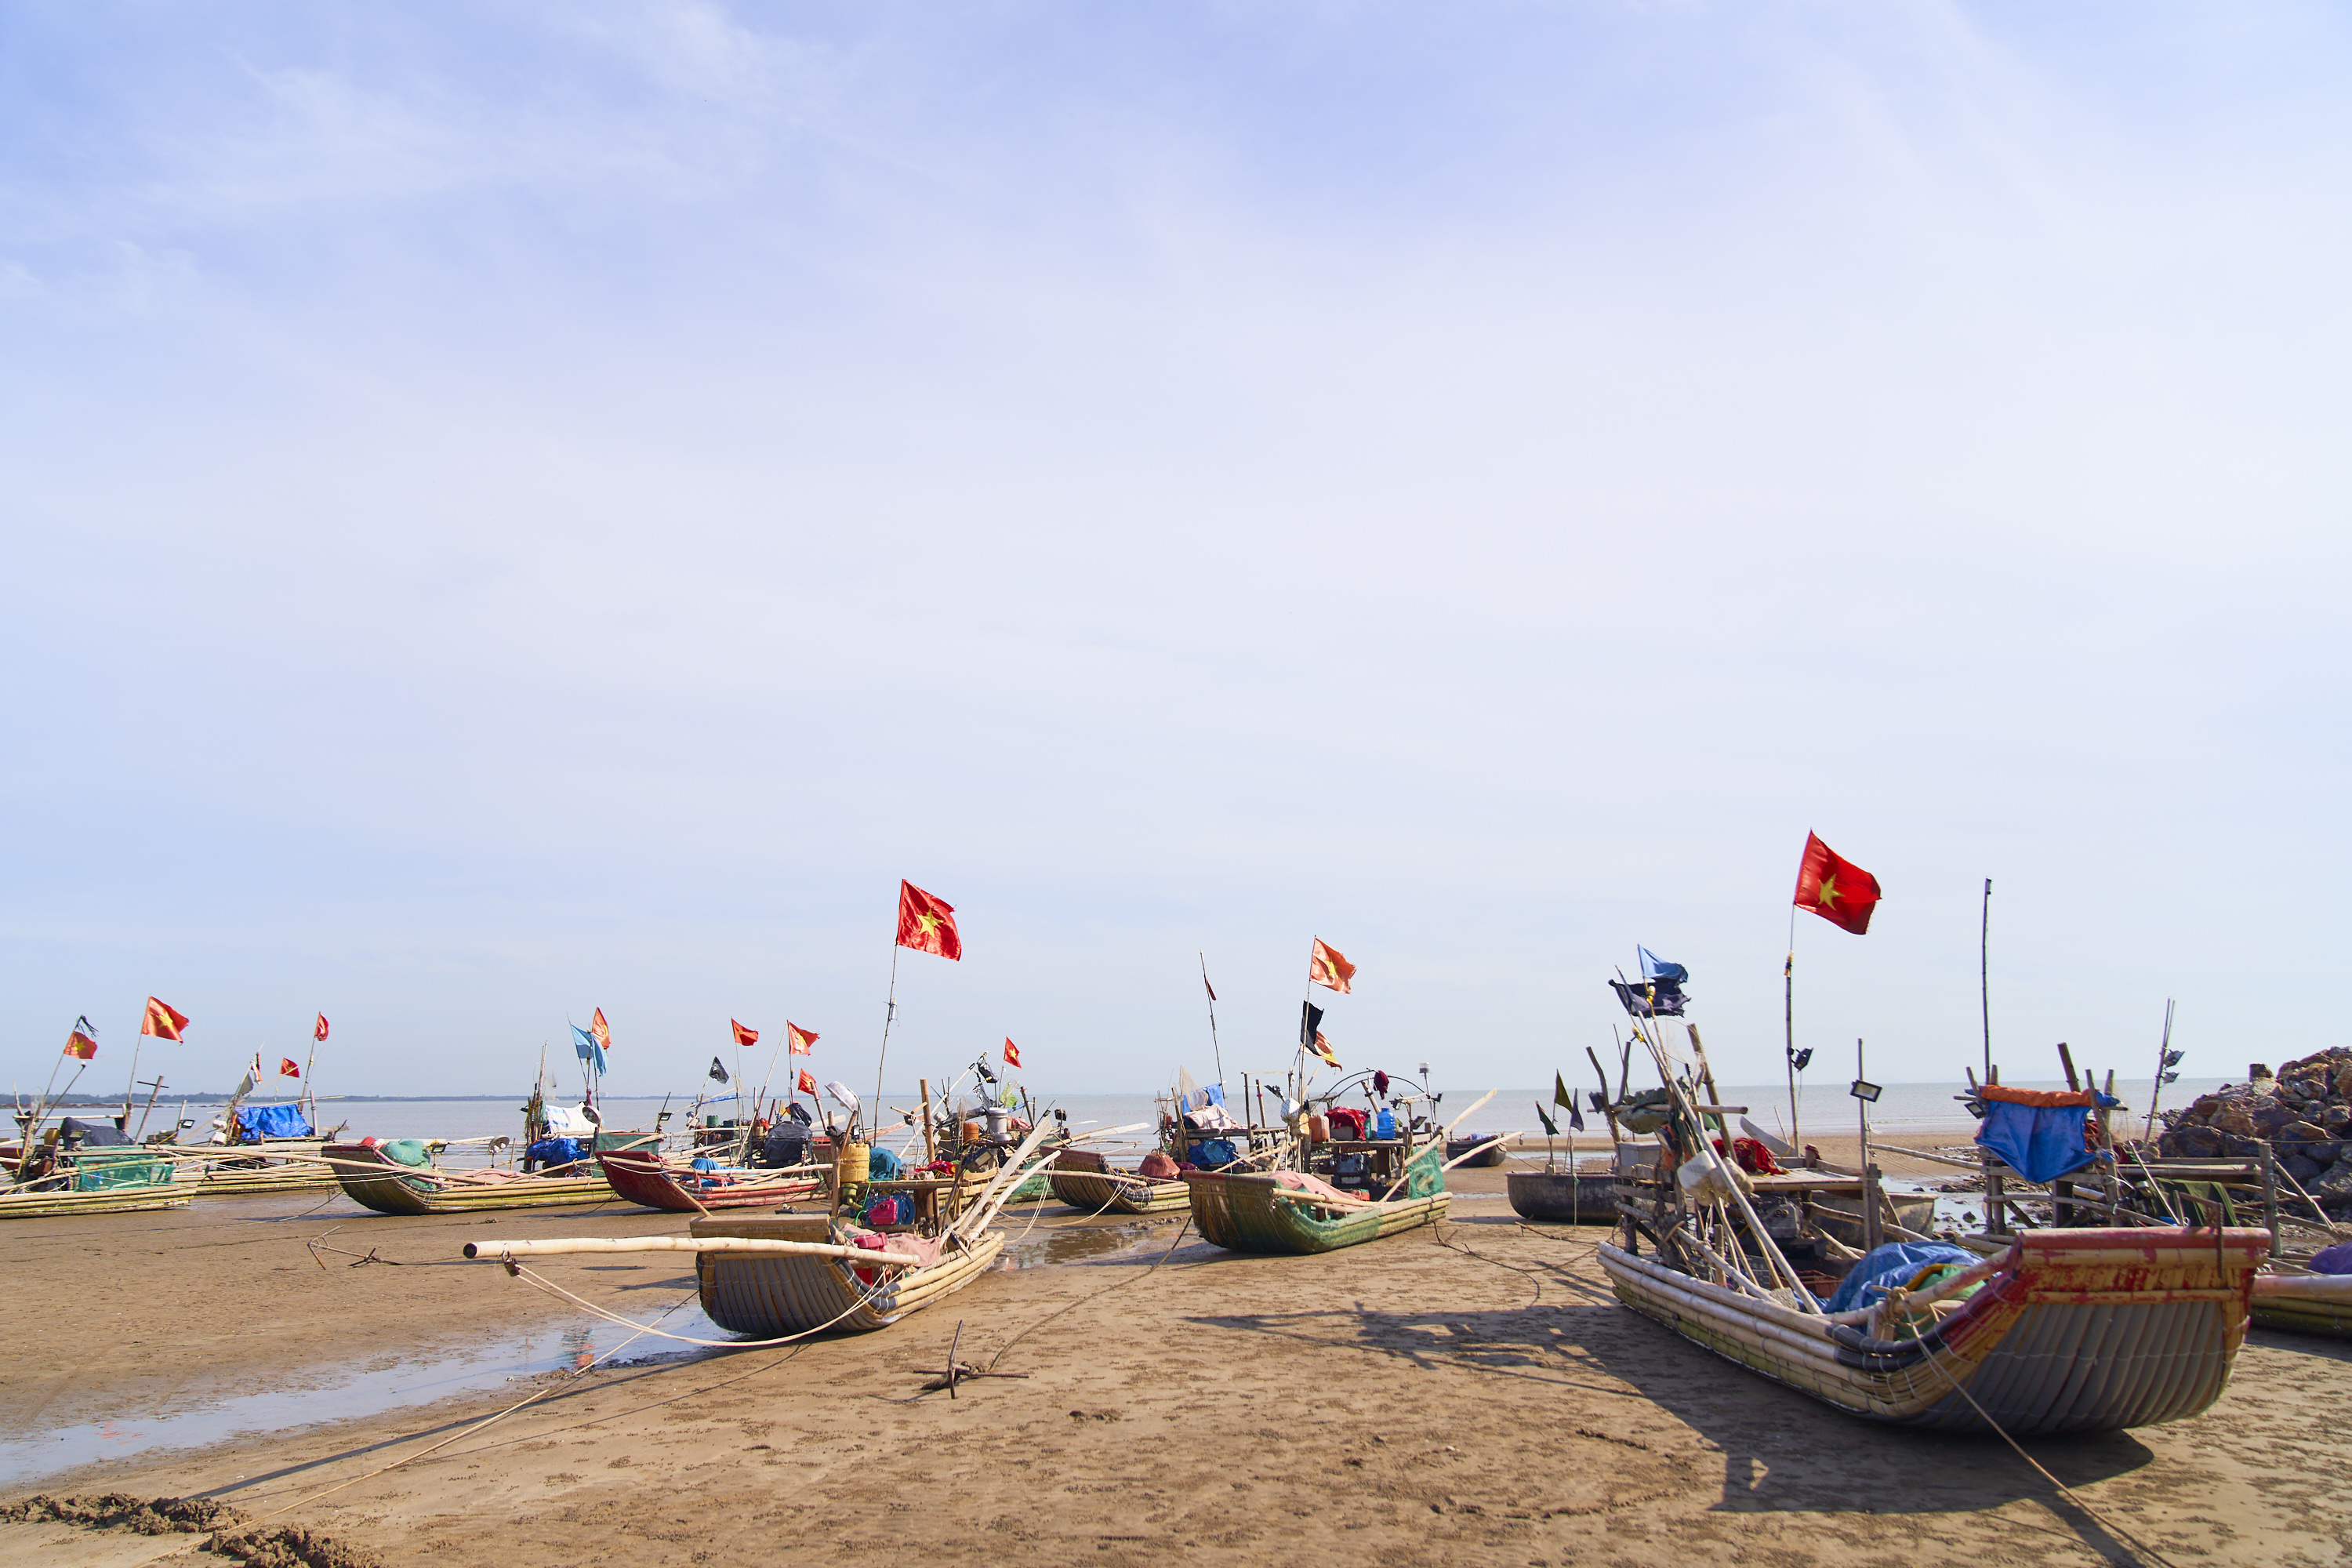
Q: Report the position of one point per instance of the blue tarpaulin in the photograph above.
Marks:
(1891, 1265)
(274, 1120)
(2040, 1143)
(558, 1151)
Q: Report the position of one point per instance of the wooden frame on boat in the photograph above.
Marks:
(1098, 1189)
(1251, 1212)
(767, 1295)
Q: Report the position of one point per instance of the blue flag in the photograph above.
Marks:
(1657, 968)
(590, 1051)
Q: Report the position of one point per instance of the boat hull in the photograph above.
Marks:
(2078, 1331)
(374, 1182)
(1562, 1197)
(1253, 1212)
(766, 1296)
(57, 1206)
(1115, 1191)
(652, 1184)
(2305, 1303)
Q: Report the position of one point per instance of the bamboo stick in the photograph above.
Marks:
(493, 1250)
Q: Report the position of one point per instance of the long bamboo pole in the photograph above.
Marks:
(491, 1251)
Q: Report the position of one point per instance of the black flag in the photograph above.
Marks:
(718, 1070)
(1658, 999)
(1310, 1019)
(1549, 1130)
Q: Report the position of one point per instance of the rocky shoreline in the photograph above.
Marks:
(2302, 1114)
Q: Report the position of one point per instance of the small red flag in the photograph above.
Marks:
(1834, 888)
(927, 923)
(743, 1036)
(800, 1039)
(161, 1021)
(1329, 967)
(318, 1029)
(287, 1067)
(1322, 1047)
(80, 1046)
(807, 1084)
(596, 1027)
(1011, 1054)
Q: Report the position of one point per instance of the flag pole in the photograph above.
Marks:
(133, 1084)
(1789, 1025)
(889, 1016)
(1215, 1048)
(1984, 975)
(2163, 1053)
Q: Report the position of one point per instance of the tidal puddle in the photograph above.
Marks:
(321, 1394)
(1079, 1243)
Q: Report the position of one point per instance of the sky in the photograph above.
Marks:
(510, 510)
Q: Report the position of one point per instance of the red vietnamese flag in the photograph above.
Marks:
(1322, 1047)
(743, 1036)
(596, 1027)
(800, 1039)
(81, 1047)
(1834, 888)
(807, 1084)
(318, 1029)
(927, 923)
(1327, 965)
(163, 1022)
(1011, 1053)
(286, 1068)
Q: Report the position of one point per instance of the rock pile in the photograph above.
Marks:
(2305, 1114)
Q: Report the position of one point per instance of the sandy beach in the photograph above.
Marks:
(1469, 1392)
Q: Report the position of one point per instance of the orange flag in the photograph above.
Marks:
(927, 923)
(162, 1022)
(596, 1027)
(798, 1038)
(1011, 1054)
(807, 1084)
(1327, 965)
(743, 1036)
(286, 1068)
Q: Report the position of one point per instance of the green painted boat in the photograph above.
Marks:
(1249, 1212)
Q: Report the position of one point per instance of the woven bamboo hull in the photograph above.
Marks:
(2080, 1331)
(2304, 1304)
(388, 1188)
(1112, 1192)
(651, 1184)
(219, 1181)
(766, 1297)
(1240, 1214)
(1489, 1157)
(1561, 1197)
(57, 1206)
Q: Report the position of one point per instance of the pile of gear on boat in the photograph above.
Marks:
(2303, 1114)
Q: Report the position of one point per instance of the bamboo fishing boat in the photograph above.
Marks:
(1084, 1180)
(375, 1180)
(1291, 1212)
(766, 1295)
(2069, 1330)
(1563, 1197)
(647, 1180)
(114, 1180)
(2304, 1303)
(35, 1204)
(1478, 1150)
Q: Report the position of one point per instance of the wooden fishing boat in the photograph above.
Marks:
(2304, 1303)
(649, 1180)
(767, 1295)
(1084, 1180)
(2068, 1330)
(1564, 1197)
(1289, 1211)
(1475, 1152)
(373, 1179)
(95, 1181)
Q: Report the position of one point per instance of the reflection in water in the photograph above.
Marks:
(1077, 1243)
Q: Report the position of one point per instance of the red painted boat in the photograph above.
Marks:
(654, 1183)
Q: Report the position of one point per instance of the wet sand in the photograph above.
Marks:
(1464, 1393)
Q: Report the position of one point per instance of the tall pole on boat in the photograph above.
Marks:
(2163, 1061)
(1789, 1028)
(1215, 1049)
(889, 1016)
(1984, 977)
(1869, 1229)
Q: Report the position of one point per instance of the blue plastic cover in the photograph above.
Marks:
(881, 1165)
(2040, 1143)
(274, 1120)
(1892, 1265)
(557, 1151)
(1212, 1153)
